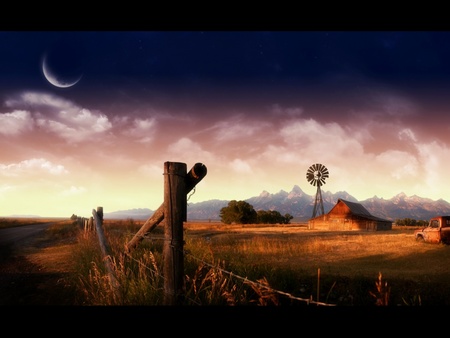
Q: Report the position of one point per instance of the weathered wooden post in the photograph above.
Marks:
(100, 213)
(106, 250)
(91, 223)
(98, 216)
(175, 206)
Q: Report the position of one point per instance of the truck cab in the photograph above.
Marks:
(437, 231)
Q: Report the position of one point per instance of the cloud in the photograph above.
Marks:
(37, 101)
(240, 166)
(34, 166)
(400, 164)
(185, 150)
(432, 157)
(62, 117)
(407, 134)
(328, 140)
(76, 126)
(142, 129)
(237, 128)
(16, 122)
(84, 118)
(280, 154)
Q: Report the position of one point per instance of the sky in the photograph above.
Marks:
(257, 108)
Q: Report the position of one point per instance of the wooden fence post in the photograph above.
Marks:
(100, 213)
(106, 250)
(175, 208)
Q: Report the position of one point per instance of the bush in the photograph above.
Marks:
(238, 212)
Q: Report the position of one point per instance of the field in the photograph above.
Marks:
(349, 268)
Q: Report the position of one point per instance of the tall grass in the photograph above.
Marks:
(228, 266)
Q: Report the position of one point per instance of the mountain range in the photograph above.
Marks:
(300, 205)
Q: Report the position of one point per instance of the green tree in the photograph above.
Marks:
(273, 217)
(239, 212)
(410, 222)
(287, 218)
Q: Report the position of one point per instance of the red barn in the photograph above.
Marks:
(347, 215)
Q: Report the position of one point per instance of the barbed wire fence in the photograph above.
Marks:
(178, 184)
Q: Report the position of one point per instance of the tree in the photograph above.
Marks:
(273, 217)
(410, 222)
(239, 212)
(287, 218)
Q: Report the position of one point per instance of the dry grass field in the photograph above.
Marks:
(344, 263)
(351, 253)
(344, 268)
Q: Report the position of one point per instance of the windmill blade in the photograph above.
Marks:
(323, 170)
(310, 175)
(312, 181)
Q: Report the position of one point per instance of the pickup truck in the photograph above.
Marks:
(437, 231)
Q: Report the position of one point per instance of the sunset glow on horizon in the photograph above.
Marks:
(256, 108)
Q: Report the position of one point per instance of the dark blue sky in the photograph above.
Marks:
(229, 57)
(190, 65)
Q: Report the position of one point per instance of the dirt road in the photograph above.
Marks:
(22, 281)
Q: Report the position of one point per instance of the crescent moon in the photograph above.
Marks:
(54, 79)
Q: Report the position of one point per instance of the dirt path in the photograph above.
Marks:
(24, 281)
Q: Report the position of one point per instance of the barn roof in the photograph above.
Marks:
(359, 210)
(355, 208)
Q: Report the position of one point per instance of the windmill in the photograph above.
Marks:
(316, 175)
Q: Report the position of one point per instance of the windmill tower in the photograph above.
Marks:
(316, 175)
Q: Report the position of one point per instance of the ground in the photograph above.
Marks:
(28, 277)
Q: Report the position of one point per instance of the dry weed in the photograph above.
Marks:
(382, 292)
